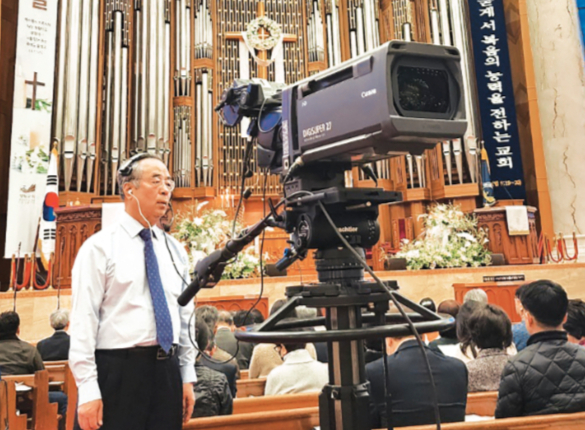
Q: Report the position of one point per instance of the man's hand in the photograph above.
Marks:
(90, 415)
(188, 401)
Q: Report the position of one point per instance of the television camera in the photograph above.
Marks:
(402, 97)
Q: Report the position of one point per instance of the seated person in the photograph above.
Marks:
(229, 369)
(299, 373)
(56, 347)
(449, 336)
(548, 376)
(575, 325)
(464, 350)
(210, 315)
(224, 333)
(21, 358)
(491, 333)
(212, 392)
(264, 357)
(410, 388)
(519, 332)
(244, 320)
(16, 356)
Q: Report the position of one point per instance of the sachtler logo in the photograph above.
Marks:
(347, 229)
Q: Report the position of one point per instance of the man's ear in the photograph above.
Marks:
(128, 190)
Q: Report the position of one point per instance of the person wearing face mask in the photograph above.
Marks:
(130, 351)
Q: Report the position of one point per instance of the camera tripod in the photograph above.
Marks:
(344, 293)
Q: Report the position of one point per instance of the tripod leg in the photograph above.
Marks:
(344, 402)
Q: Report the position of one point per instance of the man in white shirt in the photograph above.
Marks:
(130, 350)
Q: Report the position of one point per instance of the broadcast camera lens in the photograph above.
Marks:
(422, 89)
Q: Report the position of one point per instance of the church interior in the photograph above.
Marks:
(87, 84)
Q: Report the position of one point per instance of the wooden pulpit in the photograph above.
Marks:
(516, 249)
(74, 225)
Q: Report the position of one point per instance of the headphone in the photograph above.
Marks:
(128, 166)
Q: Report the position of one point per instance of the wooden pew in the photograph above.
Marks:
(44, 414)
(307, 418)
(292, 419)
(275, 403)
(59, 371)
(250, 387)
(574, 421)
(8, 407)
(244, 374)
(482, 403)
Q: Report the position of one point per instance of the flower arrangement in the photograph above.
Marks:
(253, 33)
(206, 230)
(451, 238)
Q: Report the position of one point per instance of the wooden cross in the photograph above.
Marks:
(34, 84)
(263, 55)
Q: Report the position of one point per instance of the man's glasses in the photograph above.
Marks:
(157, 182)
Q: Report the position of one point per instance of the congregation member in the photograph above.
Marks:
(18, 357)
(491, 333)
(575, 325)
(448, 336)
(519, 332)
(130, 353)
(475, 295)
(299, 372)
(264, 357)
(210, 315)
(229, 369)
(464, 349)
(410, 389)
(245, 320)
(224, 333)
(213, 395)
(548, 376)
(56, 347)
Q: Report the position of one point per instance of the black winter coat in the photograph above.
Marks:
(547, 377)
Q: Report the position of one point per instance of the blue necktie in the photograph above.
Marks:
(162, 316)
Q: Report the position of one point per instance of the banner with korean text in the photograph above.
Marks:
(31, 122)
(496, 98)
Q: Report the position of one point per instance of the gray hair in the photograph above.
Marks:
(135, 171)
(225, 317)
(477, 295)
(305, 313)
(59, 319)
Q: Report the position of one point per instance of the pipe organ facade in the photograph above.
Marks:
(144, 76)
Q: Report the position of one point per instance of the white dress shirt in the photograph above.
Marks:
(111, 301)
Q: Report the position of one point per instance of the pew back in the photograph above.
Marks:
(540, 422)
(483, 403)
(275, 403)
(250, 387)
(292, 419)
(8, 417)
(44, 414)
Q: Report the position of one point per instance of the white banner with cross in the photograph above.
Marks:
(31, 122)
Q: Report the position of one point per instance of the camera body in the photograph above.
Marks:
(402, 97)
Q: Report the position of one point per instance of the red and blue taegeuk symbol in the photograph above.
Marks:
(49, 205)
